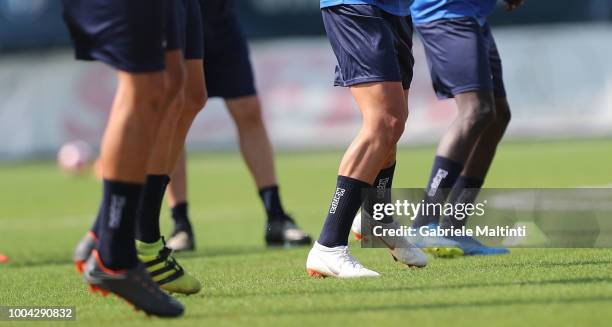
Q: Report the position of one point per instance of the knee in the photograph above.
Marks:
(480, 115)
(248, 114)
(390, 127)
(503, 115)
(391, 157)
(175, 81)
(195, 99)
(396, 126)
(149, 95)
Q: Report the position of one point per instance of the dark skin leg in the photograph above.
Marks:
(475, 115)
(480, 159)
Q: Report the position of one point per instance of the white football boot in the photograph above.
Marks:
(437, 246)
(181, 241)
(335, 262)
(401, 248)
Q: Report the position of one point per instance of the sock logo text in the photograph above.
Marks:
(334, 205)
(435, 183)
(116, 210)
(380, 188)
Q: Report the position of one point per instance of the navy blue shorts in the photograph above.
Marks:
(128, 35)
(174, 24)
(462, 57)
(189, 24)
(370, 45)
(227, 65)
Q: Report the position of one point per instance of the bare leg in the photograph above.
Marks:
(130, 134)
(383, 181)
(392, 155)
(194, 100)
(182, 237)
(255, 145)
(169, 146)
(148, 230)
(257, 152)
(160, 163)
(177, 189)
(150, 246)
(482, 156)
(384, 110)
(472, 177)
(475, 114)
(126, 147)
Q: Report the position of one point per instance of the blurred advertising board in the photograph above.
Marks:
(559, 82)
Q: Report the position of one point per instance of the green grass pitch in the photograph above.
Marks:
(43, 213)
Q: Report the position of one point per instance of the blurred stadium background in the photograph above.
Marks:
(556, 57)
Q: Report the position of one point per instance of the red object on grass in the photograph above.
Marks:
(3, 258)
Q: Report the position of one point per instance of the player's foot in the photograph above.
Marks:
(133, 285)
(438, 246)
(164, 269)
(335, 262)
(82, 252)
(356, 227)
(472, 246)
(181, 240)
(401, 248)
(285, 232)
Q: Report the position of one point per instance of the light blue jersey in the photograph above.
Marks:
(394, 7)
(426, 11)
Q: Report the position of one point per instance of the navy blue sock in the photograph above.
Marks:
(444, 174)
(383, 184)
(116, 229)
(465, 191)
(272, 203)
(344, 205)
(150, 208)
(180, 215)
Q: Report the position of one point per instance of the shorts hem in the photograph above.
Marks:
(235, 95)
(463, 89)
(443, 20)
(363, 80)
(194, 57)
(135, 70)
(173, 48)
(500, 93)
